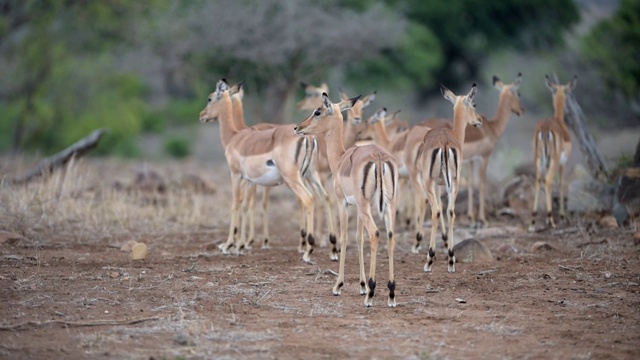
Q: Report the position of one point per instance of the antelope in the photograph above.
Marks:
(311, 178)
(355, 125)
(479, 142)
(551, 148)
(264, 157)
(439, 158)
(363, 176)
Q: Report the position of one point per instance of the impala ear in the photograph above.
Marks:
(472, 93)
(343, 95)
(550, 84)
(497, 83)
(448, 94)
(368, 99)
(518, 80)
(379, 115)
(324, 88)
(348, 103)
(237, 88)
(326, 103)
(222, 85)
(572, 83)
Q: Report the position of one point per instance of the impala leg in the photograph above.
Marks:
(389, 225)
(328, 214)
(249, 212)
(374, 238)
(470, 185)
(548, 183)
(265, 217)
(435, 220)
(482, 192)
(360, 222)
(562, 205)
(418, 213)
(536, 191)
(235, 211)
(307, 204)
(443, 226)
(451, 218)
(343, 214)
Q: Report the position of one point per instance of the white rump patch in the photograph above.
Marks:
(563, 158)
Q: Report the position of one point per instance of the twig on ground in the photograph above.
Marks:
(77, 323)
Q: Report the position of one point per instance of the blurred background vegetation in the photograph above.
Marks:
(146, 67)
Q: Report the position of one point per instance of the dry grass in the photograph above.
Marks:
(82, 202)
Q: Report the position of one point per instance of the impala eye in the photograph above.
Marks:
(317, 113)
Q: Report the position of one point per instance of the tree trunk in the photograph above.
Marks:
(575, 120)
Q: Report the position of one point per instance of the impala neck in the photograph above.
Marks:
(335, 145)
(349, 134)
(459, 125)
(382, 134)
(558, 107)
(225, 117)
(499, 122)
(238, 114)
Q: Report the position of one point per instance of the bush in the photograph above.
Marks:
(177, 147)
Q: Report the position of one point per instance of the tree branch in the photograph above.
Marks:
(55, 161)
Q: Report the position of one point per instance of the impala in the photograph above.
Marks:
(479, 142)
(363, 176)
(311, 177)
(439, 159)
(264, 157)
(551, 148)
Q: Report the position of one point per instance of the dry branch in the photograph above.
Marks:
(55, 161)
(576, 121)
(77, 323)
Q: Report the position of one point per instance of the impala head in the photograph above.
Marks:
(312, 96)
(513, 91)
(354, 114)
(237, 91)
(214, 101)
(561, 90)
(464, 105)
(325, 117)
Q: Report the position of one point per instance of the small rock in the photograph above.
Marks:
(508, 249)
(183, 339)
(461, 301)
(114, 274)
(139, 251)
(541, 246)
(472, 250)
(608, 222)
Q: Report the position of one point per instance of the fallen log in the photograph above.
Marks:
(51, 163)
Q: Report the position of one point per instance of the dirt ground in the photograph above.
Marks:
(68, 291)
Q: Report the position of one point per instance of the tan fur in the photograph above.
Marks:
(551, 144)
(255, 165)
(364, 176)
(479, 142)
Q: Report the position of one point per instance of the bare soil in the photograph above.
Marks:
(68, 291)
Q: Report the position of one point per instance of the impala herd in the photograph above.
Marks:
(379, 163)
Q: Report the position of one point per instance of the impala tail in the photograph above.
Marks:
(382, 189)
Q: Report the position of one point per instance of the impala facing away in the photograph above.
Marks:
(363, 176)
(264, 157)
(440, 158)
(479, 142)
(551, 148)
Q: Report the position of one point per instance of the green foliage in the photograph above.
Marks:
(412, 64)
(468, 31)
(614, 46)
(177, 147)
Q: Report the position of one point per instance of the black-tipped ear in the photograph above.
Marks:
(354, 99)
(472, 93)
(518, 80)
(495, 80)
(549, 83)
